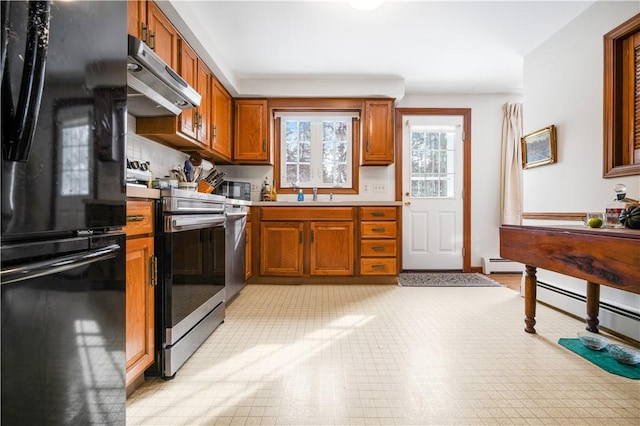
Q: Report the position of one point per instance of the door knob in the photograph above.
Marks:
(407, 203)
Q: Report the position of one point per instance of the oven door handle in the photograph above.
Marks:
(235, 215)
(188, 222)
(58, 264)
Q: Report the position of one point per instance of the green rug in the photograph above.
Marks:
(602, 359)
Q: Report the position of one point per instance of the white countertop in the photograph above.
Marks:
(350, 203)
(139, 191)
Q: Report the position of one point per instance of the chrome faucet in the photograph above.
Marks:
(315, 194)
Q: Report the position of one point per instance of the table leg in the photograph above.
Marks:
(593, 306)
(530, 283)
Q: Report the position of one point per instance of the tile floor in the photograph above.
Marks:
(386, 355)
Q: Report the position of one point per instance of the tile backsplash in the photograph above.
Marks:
(161, 158)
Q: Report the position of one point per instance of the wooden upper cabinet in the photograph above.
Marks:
(203, 118)
(162, 35)
(377, 134)
(189, 72)
(221, 117)
(251, 143)
(195, 122)
(137, 21)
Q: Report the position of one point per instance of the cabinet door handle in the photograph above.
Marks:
(313, 236)
(378, 229)
(143, 32)
(152, 40)
(264, 145)
(377, 214)
(300, 237)
(377, 266)
(135, 218)
(214, 132)
(368, 146)
(377, 248)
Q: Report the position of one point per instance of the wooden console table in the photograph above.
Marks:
(603, 256)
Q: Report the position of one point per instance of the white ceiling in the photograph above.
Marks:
(425, 47)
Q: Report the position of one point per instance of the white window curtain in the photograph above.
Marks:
(511, 173)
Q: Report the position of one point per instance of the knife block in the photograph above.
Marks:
(203, 186)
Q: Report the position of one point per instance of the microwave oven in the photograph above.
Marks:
(235, 190)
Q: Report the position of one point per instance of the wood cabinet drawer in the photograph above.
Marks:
(139, 218)
(378, 248)
(378, 213)
(378, 229)
(378, 266)
(307, 213)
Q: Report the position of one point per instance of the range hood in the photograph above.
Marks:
(154, 89)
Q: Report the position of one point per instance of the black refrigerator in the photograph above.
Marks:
(63, 207)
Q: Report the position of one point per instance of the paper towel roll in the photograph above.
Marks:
(207, 165)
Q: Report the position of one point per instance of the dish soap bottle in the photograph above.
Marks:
(300, 195)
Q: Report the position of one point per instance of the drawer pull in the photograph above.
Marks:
(377, 214)
(135, 218)
(377, 248)
(378, 229)
(380, 266)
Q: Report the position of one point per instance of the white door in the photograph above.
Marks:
(432, 184)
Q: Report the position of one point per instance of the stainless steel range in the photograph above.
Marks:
(190, 297)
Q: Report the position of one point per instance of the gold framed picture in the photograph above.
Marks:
(539, 148)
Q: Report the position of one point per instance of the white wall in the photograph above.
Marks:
(563, 85)
(486, 130)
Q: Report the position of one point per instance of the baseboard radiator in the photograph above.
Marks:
(492, 265)
(613, 317)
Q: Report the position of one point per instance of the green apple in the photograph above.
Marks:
(594, 222)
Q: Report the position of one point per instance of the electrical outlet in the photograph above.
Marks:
(379, 188)
(365, 187)
(254, 187)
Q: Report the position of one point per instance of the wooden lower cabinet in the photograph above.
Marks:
(307, 242)
(140, 289)
(379, 241)
(281, 248)
(331, 248)
(341, 242)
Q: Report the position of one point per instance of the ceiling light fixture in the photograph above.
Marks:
(365, 4)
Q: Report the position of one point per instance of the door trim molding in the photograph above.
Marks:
(466, 176)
